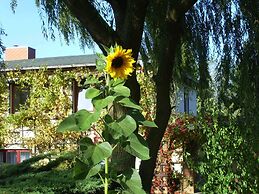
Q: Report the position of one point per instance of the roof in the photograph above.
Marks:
(52, 62)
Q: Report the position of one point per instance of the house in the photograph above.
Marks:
(23, 59)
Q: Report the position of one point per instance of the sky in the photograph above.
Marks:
(24, 29)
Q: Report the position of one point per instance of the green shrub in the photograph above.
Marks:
(32, 178)
(225, 161)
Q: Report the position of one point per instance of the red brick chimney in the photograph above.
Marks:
(18, 53)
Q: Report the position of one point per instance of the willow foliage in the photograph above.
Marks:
(2, 33)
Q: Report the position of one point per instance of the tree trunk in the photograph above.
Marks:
(130, 17)
(169, 42)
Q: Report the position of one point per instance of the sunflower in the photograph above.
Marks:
(119, 64)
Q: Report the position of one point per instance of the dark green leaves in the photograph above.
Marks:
(80, 169)
(84, 170)
(92, 93)
(100, 103)
(137, 146)
(124, 126)
(131, 182)
(140, 119)
(127, 102)
(148, 123)
(119, 130)
(92, 155)
(80, 121)
(122, 90)
(95, 153)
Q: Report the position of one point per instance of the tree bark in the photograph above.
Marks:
(169, 42)
(89, 17)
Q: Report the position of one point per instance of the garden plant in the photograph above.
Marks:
(109, 96)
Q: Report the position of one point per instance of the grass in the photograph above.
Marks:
(49, 173)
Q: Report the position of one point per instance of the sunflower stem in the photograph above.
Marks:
(106, 178)
(107, 89)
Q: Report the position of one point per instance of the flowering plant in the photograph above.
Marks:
(118, 130)
(183, 130)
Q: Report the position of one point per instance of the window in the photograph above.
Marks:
(17, 97)
(14, 156)
(79, 100)
(24, 156)
(186, 101)
(84, 103)
(11, 157)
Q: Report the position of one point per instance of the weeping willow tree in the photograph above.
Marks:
(181, 39)
(217, 37)
(1, 43)
(243, 77)
(232, 31)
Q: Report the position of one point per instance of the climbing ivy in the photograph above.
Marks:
(223, 158)
(3, 108)
(49, 101)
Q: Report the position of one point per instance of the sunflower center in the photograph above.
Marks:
(117, 62)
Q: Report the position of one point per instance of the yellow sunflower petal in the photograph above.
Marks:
(119, 64)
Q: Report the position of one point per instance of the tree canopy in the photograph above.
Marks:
(1, 43)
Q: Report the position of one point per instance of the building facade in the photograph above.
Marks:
(25, 119)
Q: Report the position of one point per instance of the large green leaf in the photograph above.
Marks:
(95, 152)
(109, 133)
(94, 170)
(79, 121)
(129, 103)
(117, 82)
(68, 124)
(92, 93)
(100, 103)
(109, 137)
(131, 182)
(80, 169)
(125, 125)
(122, 90)
(112, 130)
(137, 115)
(101, 151)
(85, 119)
(137, 146)
(148, 123)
